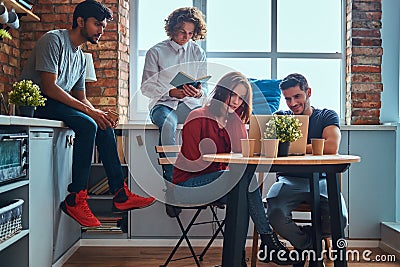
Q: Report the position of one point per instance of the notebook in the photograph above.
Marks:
(257, 128)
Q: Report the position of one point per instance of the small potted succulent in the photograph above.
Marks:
(286, 128)
(26, 97)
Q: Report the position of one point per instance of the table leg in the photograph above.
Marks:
(337, 225)
(316, 221)
(237, 217)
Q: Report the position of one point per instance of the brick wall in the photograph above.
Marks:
(9, 62)
(363, 61)
(111, 56)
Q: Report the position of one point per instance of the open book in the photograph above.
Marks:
(182, 78)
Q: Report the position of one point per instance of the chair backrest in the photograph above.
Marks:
(161, 150)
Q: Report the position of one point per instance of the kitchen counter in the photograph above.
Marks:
(16, 120)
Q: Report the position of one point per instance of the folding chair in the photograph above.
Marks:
(162, 160)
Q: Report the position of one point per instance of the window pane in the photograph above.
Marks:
(323, 77)
(139, 101)
(259, 68)
(151, 17)
(238, 26)
(309, 26)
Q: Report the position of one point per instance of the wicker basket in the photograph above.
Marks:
(10, 218)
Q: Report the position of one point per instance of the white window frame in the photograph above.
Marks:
(274, 55)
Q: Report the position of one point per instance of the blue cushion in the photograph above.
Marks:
(265, 92)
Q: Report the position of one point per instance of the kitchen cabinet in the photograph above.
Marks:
(47, 234)
(66, 231)
(15, 188)
(40, 196)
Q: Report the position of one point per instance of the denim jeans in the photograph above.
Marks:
(256, 208)
(167, 120)
(289, 197)
(86, 135)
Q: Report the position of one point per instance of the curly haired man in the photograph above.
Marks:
(180, 52)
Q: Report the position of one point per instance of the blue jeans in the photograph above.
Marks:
(86, 135)
(167, 120)
(285, 196)
(256, 207)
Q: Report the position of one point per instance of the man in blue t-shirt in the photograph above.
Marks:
(292, 189)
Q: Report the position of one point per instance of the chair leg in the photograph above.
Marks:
(327, 242)
(254, 248)
(219, 229)
(217, 220)
(184, 236)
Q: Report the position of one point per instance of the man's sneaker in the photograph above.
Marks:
(76, 206)
(125, 200)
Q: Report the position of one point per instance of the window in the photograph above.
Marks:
(264, 39)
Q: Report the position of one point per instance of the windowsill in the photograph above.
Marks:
(150, 126)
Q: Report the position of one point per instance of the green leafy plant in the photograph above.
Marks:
(5, 34)
(26, 93)
(283, 127)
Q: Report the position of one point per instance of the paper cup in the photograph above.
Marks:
(317, 145)
(270, 148)
(248, 147)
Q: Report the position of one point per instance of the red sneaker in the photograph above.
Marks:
(125, 200)
(76, 206)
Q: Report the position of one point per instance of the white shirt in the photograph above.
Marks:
(163, 61)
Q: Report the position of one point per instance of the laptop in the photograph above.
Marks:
(257, 128)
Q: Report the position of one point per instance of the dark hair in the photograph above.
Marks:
(223, 91)
(186, 14)
(91, 8)
(292, 80)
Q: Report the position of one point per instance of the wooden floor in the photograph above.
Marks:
(154, 256)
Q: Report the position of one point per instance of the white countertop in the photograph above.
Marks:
(16, 120)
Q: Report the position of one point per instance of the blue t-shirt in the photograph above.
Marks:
(319, 119)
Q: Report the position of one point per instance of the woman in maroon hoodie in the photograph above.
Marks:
(218, 128)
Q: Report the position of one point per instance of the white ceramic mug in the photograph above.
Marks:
(13, 20)
(3, 14)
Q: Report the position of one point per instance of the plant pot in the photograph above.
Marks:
(24, 111)
(283, 149)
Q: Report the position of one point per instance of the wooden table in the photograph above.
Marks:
(236, 225)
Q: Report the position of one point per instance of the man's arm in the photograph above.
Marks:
(332, 137)
(77, 100)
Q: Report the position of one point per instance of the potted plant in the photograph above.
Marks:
(286, 128)
(26, 97)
